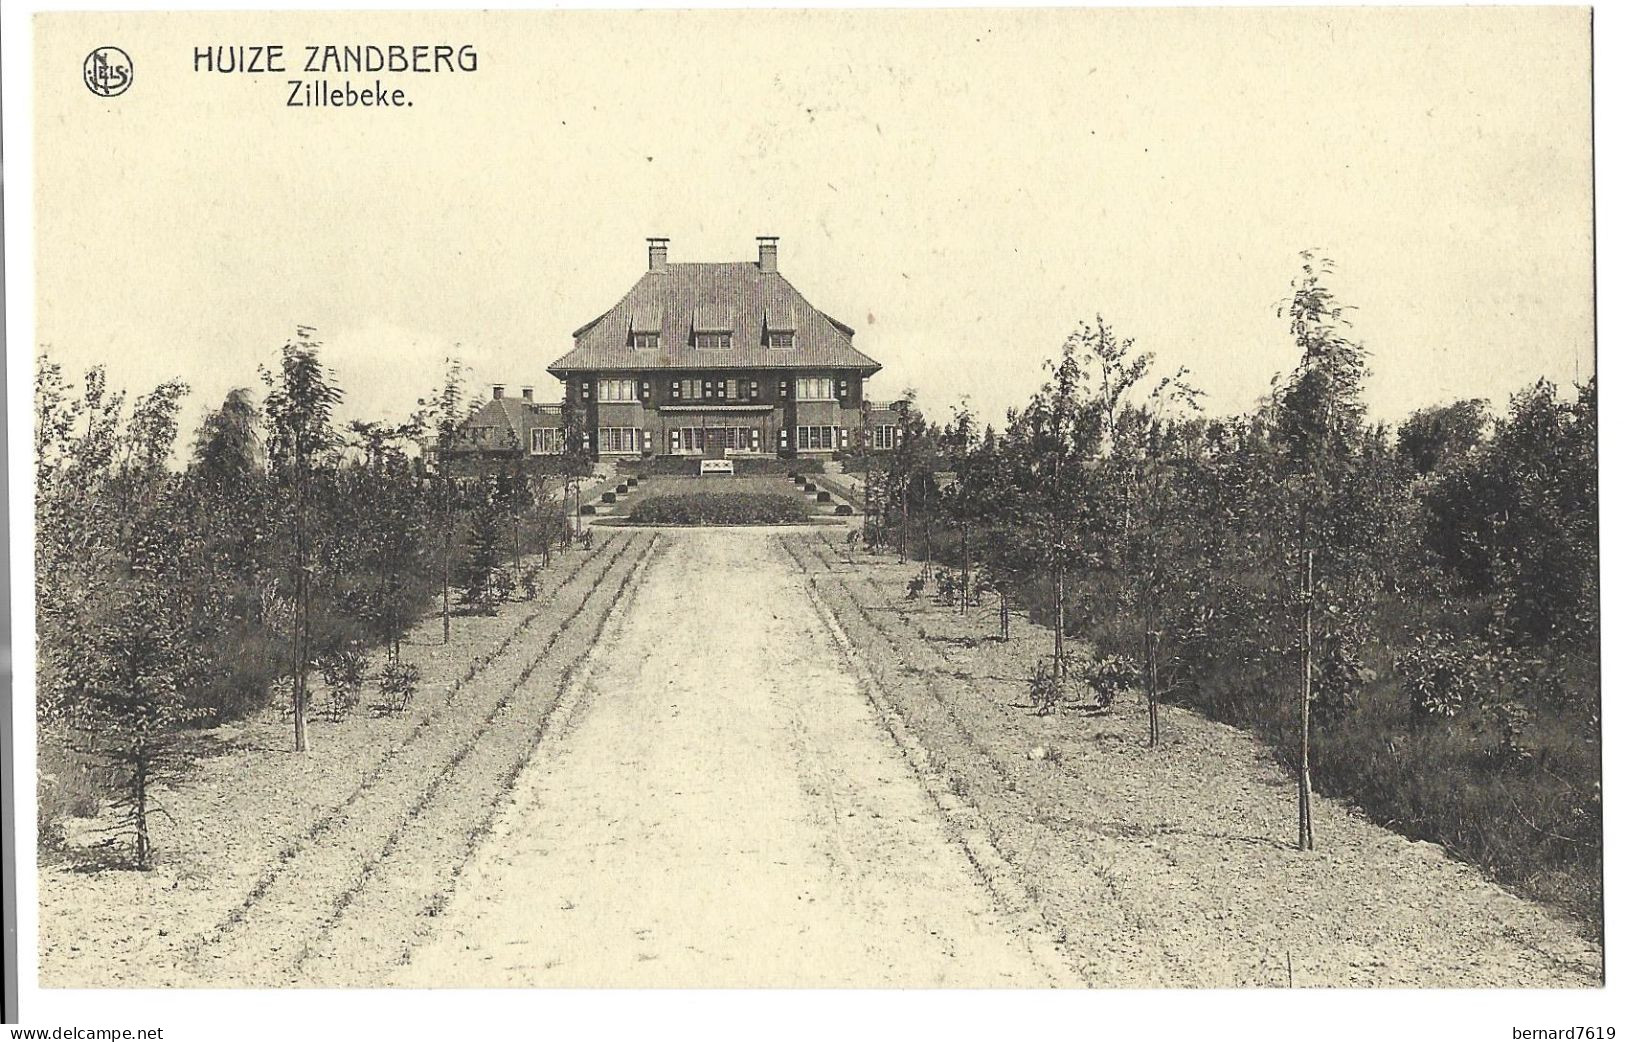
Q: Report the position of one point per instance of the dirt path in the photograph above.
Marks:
(725, 809)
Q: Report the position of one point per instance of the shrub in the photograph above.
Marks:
(71, 785)
(397, 683)
(1110, 676)
(1437, 674)
(529, 581)
(722, 508)
(344, 672)
(1510, 720)
(280, 696)
(1047, 691)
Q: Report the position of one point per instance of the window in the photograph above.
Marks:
(815, 438)
(815, 389)
(692, 439)
(781, 340)
(618, 439)
(883, 436)
(622, 390)
(646, 341)
(713, 341)
(546, 441)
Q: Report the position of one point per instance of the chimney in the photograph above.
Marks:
(767, 247)
(528, 393)
(657, 254)
(496, 391)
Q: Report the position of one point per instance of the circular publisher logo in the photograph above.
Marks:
(108, 72)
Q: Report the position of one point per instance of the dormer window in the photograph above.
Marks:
(782, 340)
(713, 341)
(645, 328)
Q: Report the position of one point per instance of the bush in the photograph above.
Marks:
(71, 785)
(1110, 676)
(1511, 720)
(397, 683)
(722, 508)
(1437, 674)
(344, 672)
(1047, 691)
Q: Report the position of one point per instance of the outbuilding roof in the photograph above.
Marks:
(734, 297)
(505, 423)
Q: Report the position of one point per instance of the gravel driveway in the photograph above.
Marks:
(725, 809)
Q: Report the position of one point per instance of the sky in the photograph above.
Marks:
(961, 187)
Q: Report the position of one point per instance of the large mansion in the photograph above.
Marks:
(716, 359)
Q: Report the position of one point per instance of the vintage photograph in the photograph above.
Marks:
(885, 499)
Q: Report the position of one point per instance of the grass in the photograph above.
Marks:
(718, 508)
(1533, 825)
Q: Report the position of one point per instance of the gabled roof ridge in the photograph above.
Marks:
(684, 291)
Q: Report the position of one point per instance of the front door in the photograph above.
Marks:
(715, 442)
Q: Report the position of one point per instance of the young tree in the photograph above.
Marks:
(391, 536)
(441, 417)
(115, 644)
(989, 482)
(486, 518)
(1055, 438)
(909, 476)
(1319, 424)
(132, 660)
(301, 449)
(576, 461)
(1148, 451)
(961, 443)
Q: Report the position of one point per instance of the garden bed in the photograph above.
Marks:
(718, 508)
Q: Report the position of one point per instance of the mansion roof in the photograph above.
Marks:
(745, 300)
